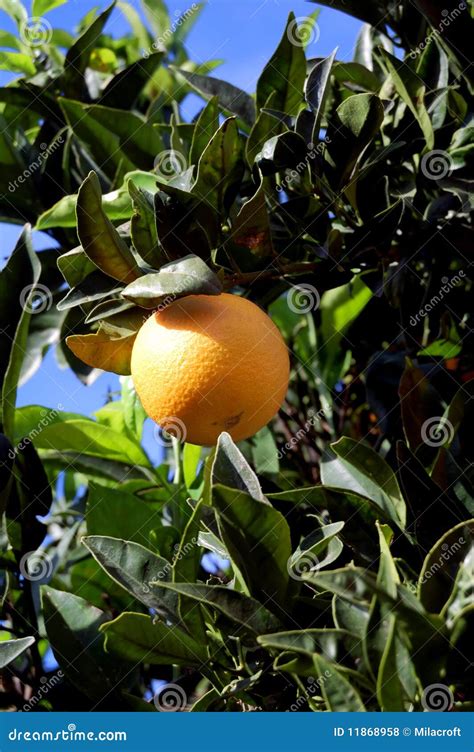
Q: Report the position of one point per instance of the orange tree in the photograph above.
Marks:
(326, 562)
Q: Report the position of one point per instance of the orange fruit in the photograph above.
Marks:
(210, 363)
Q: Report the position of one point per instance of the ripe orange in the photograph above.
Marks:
(207, 364)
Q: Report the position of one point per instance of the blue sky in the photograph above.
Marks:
(242, 32)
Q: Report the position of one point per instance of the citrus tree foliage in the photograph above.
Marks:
(326, 563)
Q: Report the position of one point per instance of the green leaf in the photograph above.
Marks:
(355, 123)
(440, 568)
(231, 469)
(339, 307)
(133, 567)
(220, 166)
(411, 89)
(104, 349)
(15, 10)
(72, 626)
(75, 266)
(118, 514)
(11, 649)
(233, 100)
(83, 435)
(317, 89)
(125, 87)
(40, 7)
(17, 62)
(251, 227)
(206, 125)
(140, 639)
(143, 227)
(18, 280)
(360, 469)
(285, 74)
(78, 55)
(323, 541)
(245, 611)
(99, 238)
(188, 276)
(133, 412)
(338, 692)
(258, 539)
